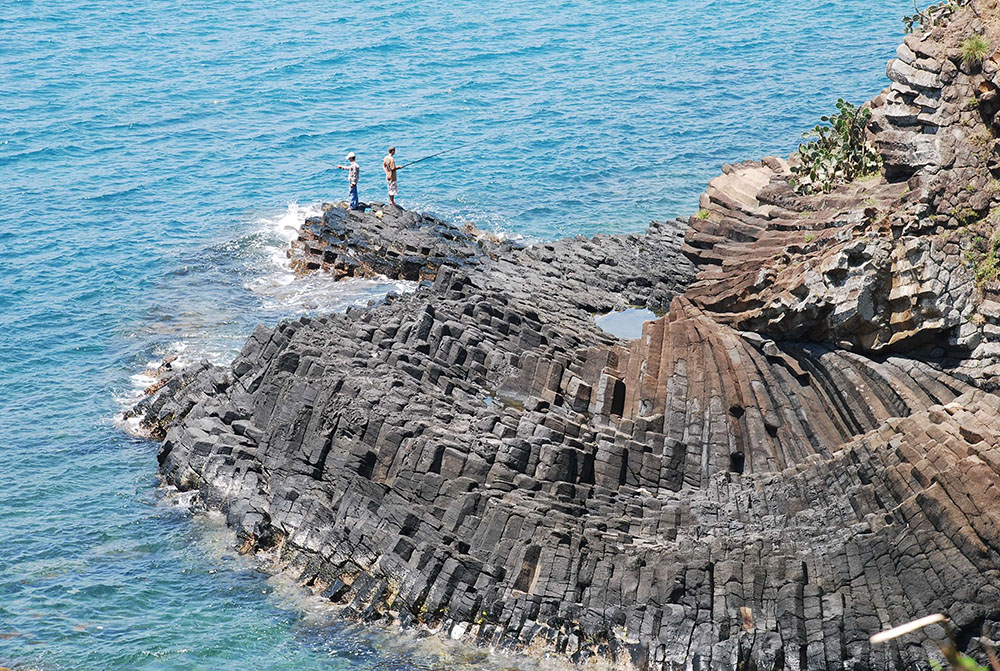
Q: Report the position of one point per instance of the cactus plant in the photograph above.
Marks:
(935, 15)
(839, 153)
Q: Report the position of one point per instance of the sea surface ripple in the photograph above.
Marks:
(157, 157)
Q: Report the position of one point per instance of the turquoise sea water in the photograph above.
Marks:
(155, 158)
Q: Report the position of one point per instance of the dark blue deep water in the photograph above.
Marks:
(155, 158)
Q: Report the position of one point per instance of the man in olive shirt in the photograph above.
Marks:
(389, 166)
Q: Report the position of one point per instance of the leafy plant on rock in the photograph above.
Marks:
(839, 153)
(935, 15)
(975, 49)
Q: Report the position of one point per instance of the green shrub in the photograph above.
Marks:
(810, 237)
(974, 50)
(965, 216)
(702, 214)
(838, 154)
(984, 259)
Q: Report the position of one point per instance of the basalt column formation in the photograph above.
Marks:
(802, 450)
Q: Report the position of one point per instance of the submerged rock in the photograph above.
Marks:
(800, 453)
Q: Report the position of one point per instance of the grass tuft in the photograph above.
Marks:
(974, 50)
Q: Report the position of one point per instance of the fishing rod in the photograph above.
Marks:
(461, 146)
(406, 165)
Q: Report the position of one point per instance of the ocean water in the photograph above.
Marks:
(157, 157)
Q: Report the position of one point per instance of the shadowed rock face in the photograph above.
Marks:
(802, 451)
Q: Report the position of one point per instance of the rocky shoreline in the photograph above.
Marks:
(800, 452)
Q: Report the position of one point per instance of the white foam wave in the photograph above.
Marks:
(276, 234)
(178, 354)
(280, 293)
(285, 292)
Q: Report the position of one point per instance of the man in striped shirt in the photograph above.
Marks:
(353, 173)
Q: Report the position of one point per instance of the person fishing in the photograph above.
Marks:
(390, 168)
(353, 173)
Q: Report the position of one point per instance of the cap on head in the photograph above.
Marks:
(392, 150)
(350, 157)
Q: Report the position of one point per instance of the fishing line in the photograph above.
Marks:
(445, 151)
